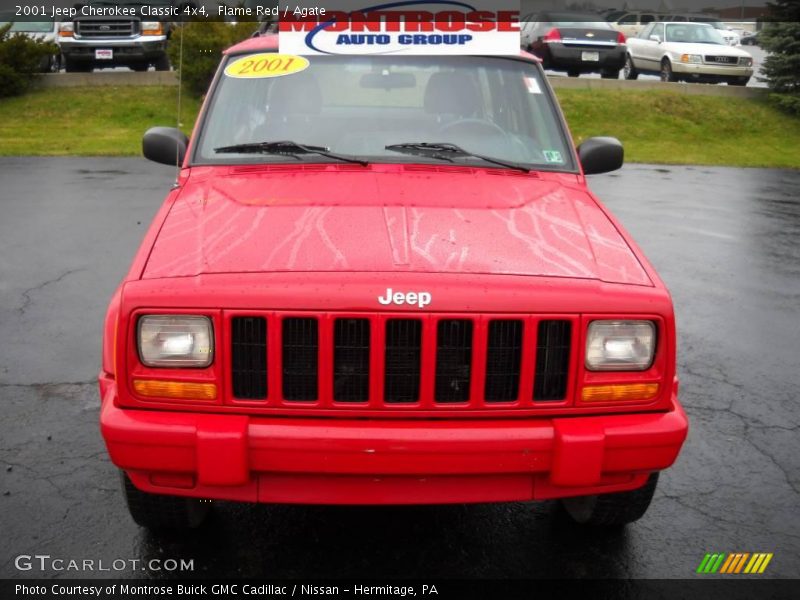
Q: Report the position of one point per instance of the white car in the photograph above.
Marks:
(687, 52)
(43, 31)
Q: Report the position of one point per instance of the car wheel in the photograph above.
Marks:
(573, 73)
(740, 81)
(162, 64)
(610, 74)
(139, 67)
(70, 66)
(155, 511)
(55, 64)
(629, 71)
(611, 510)
(666, 71)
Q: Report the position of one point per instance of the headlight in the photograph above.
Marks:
(65, 29)
(175, 341)
(152, 28)
(694, 59)
(745, 61)
(620, 345)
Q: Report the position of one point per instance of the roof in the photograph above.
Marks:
(270, 42)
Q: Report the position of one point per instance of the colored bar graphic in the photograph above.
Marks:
(734, 563)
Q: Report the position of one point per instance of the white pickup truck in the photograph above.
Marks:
(684, 51)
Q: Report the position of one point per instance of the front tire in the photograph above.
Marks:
(71, 66)
(573, 73)
(666, 72)
(610, 74)
(162, 63)
(740, 81)
(158, 512)
(629, 71)
(611, 510)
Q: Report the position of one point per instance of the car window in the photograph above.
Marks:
(694, 33)
(645, 34)
(357, 105)
(648, 19)
(629, 19)
(658, 29)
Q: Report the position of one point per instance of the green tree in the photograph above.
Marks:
(203, 43)
(781, 38)
(21, 61)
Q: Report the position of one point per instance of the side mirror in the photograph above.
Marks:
(601, 155)
(165, 145)
(655, 38)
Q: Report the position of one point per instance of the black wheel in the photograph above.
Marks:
(573, 73)
(155, 511)
(611, 510)
(629, 71)
(162, 64)
(610, 74)
(71, 66)
(139, 67)
(666, 71)
(740, 81)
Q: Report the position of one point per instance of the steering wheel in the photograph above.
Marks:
(473, 127)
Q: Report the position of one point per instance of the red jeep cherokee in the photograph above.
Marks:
(383, 280)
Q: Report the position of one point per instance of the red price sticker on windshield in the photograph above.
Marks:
(268, 64)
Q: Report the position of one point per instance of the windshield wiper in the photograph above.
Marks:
(287, 148)
(447, 151)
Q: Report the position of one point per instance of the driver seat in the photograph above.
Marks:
(452, 96)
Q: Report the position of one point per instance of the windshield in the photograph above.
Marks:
(579, 20)
(38, 27)
(694, 34)
(359, 105)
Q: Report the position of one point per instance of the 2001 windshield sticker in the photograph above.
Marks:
(267, 64)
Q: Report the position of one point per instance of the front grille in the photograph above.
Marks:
(423, 362)
(552, 360)
(453, 360)
(351, 360)
(503, 361)
(300, 359)
(106, 29)
(722, 60)
(402, 360)
(249, 357)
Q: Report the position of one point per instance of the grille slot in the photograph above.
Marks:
(723, 60)
(453, 360)
(249, 357)
(351, 360)
(503, 361)
(106, 29)
(552, 360)
(402, 356)
(300, 359)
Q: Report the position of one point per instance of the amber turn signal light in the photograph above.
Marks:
(180, 390)
(620, 392)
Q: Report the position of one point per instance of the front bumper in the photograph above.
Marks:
(129, 50)
(333, 461)
(715, 71)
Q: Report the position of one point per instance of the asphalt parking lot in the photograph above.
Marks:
(726, 241)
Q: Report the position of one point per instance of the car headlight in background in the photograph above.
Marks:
(745, 61)
(176, 341)
(694, 59)
(620, 345)
(65, 29)
(152, 28)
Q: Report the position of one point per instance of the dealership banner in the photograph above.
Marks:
(403, 27)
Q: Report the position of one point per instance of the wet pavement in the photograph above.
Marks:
(726, 241)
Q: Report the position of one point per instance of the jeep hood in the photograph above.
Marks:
(384, 218)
